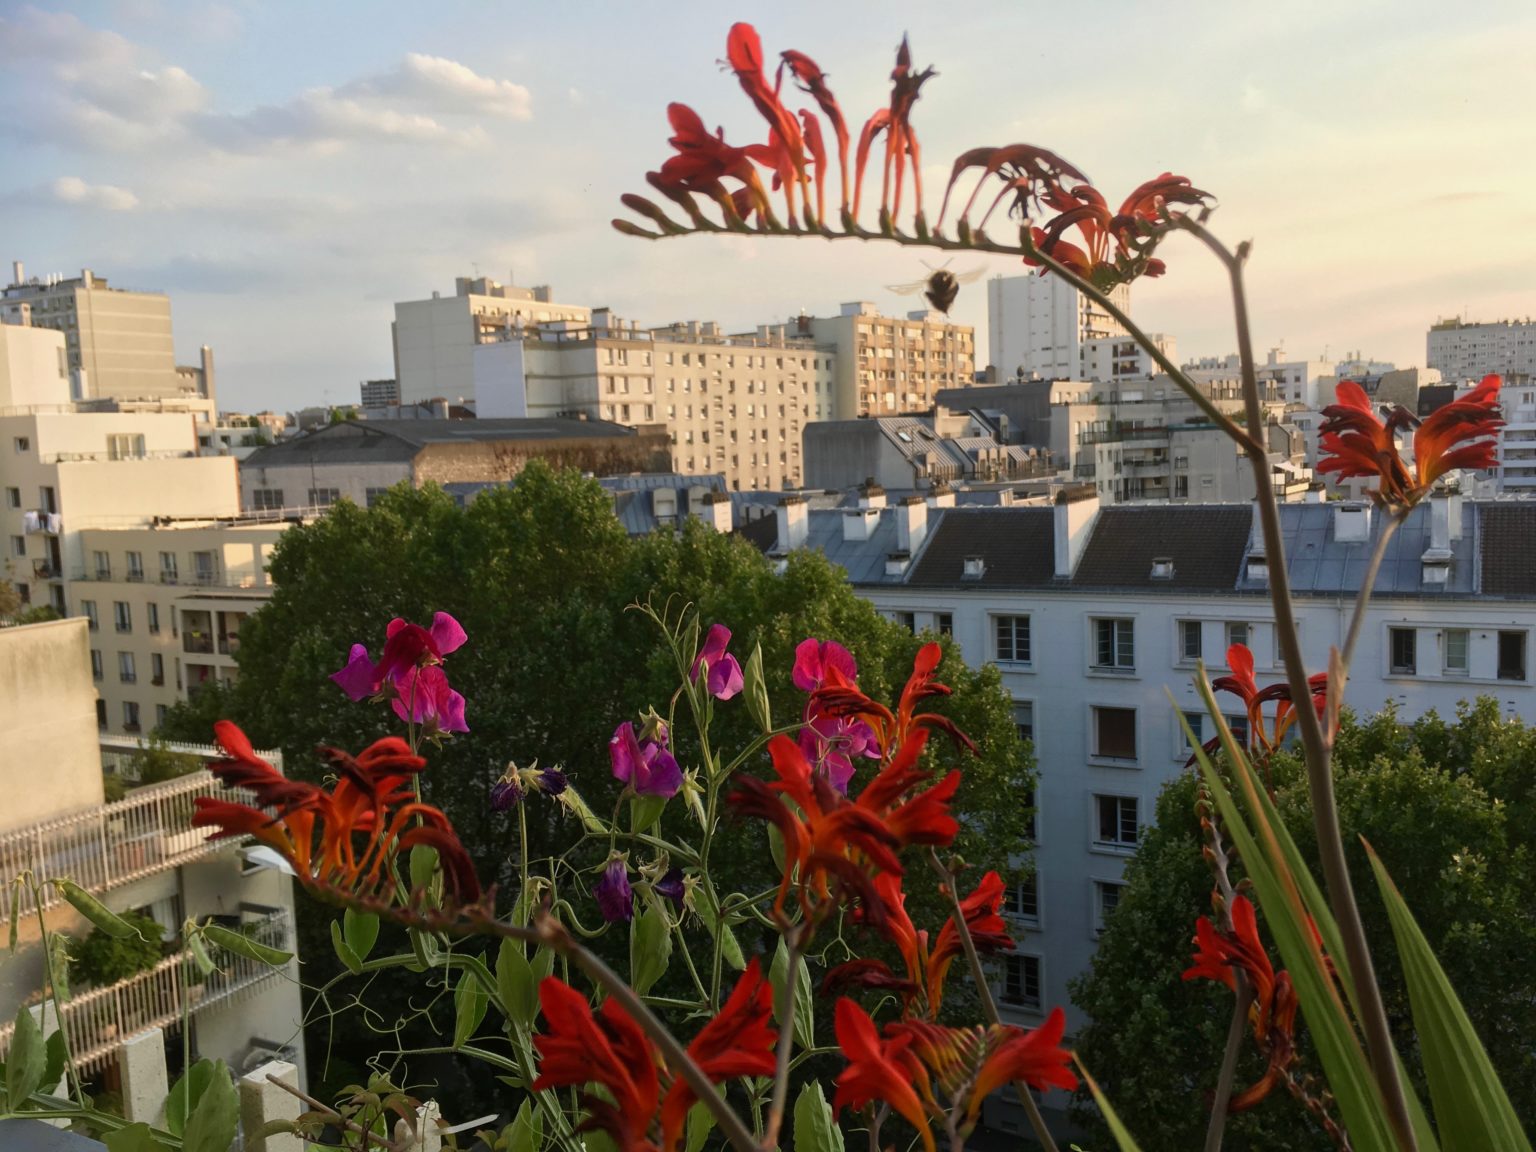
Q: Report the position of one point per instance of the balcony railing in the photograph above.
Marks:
(97, 1021)
(106, 847)
(197, 642)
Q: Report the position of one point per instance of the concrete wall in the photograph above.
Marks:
(647, 451)
(295, 481)
(500, 380)
(52, 765)
(34, 368)
(844, 453)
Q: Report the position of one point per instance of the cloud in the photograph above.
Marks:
(73, 190)
(446, 86)
(325, 118)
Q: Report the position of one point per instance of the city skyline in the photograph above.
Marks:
(286, 175)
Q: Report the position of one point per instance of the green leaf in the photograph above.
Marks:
(543, 964)
(199, 950)
(134, 1138)
(776, 847)
(469, 1004)
(26, 1061)
(1123, 1138)
(215, 1120)
(644, 811)
(93, 909)
(816, 1128)
(778, 974)
(423, 866)
(710, 915)
(516, 985)
(756, 690)
(526, 1132)
(701, 1121)
(57, 1056)
(361, 931)
(185, 1095)
(1472, 1110)
(650, 949)
(426, 950)
(242, 945)
(344, 950)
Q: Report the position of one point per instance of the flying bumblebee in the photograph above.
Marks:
(940, 288)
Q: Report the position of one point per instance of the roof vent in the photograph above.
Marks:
(975, 566)
(1162, 568)
(1258, 568)
(1351, 523)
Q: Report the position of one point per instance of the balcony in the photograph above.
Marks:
(41, 522)
(97, 1021)
(198, 642)
(109, 846)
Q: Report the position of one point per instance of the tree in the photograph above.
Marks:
(542, 577)
(10, 600)
(102, 959)
(1446, 804)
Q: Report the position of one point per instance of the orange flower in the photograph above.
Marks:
(1135, 230)
(607, 1048)
(341, 842)
(1357, 442)
(840, 696)
(1263, 736)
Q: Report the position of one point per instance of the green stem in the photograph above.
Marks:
(786, 1038)
(1216, 1129)
(72, 1074)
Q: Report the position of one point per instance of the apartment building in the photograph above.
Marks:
(733, 404)
(136, 854)
(434, 340)
(888, 365)
(118, 342)
(1041, 326)
(1469, 350)
(1094, 614)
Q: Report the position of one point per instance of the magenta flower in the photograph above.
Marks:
(719, 666)
(407, 646)
(645, 765)
(831, 742)
(615, 898)
(425, 698)
(814, 657)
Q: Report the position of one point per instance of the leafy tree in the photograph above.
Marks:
(10, 600)
(37, 614)
(101, 959)
(1446, 805)
(156, 762)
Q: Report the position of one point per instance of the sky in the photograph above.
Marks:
(287, 171)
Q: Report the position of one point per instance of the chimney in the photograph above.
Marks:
(1439, 522)
(871, 495)
(715, 510)
(1076, 510)
(18, 273)
(1435, 563)
(941, 495)
(860, 523)
(87, 278)
(911, 524)
(1453, 513)
(1317, 493)
(1351, 523)
(793, 518)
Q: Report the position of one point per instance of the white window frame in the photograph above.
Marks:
(1119, 624)
(1093, 735)
(1035, 1007)
(1394, 668)
(1118, 847)
(1013, 904)
(1097, 885)
(996, 622)
(1181, 627)
(1446, 667)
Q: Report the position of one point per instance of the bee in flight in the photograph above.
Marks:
(940, 288)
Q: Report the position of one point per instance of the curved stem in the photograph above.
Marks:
(1362, 601)
(1315, 742)
(71, 1072)
(984, 991)
(1217, 1127)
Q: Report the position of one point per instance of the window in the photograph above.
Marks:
(130, 716)
(1021, 981)
(1116, 825)
(19, 546)
(152, 614)
(125, 446)
(135, 566)
(1030, 803)
(127, 672)
(1114, 733)
(1012, 639)
(156, 668)
(88, 610)
(1238, 634)
(96, 668)
(1402, 643)
(1189, 640)
(1511, 655)
(1024, 719)
(943, 622)
(323, 497)
(266, 499)
(23, 443)
(907, 620)
(1023, 900)
(122, 615)
(372, 496)
(161, 712)
(50, 499)
(101, 713)
(103, 565)
(1456, 646)
(13, 497)
(167, 567)
(1106, 898)
(1115, 648)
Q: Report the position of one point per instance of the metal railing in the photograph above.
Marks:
(118, 458)
(106, 847)
(98, 1021)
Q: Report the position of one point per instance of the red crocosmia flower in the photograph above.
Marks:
(607, 1048)
(744, 54)
(703, 160)
(813, 81)
(1218, 956)
(839, 696)
(340, 842)
(1264, 735)
(988, 930)
(879, 1070)
(1356, 441)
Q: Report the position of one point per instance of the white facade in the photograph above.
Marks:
(1470, 351)
(435, 339)
(887, 365)
(1115, 359)
(1295, 381)
(34, 368)
(1038, 325)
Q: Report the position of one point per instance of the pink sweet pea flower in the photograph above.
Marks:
(407, 647)
(723, 672)
(831, 742)
(644, 765)
(814, 657)
(425, 698)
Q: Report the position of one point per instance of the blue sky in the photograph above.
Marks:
(286, 171)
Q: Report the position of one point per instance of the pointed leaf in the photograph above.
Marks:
(543, 965)
(644, 811)
(778, 974)
(216, 1118)
(344, 951)
(701, 1121)
(26, 1061)
(650, 949)
(816, 1129)
(525, 1133)
(134, 1138)
(360, 930)
(423, 866)
(1122, 1135)
(516, 986)
(755, 689)
(185, 1094)
(94, 910)
(56, 1057)
(1472, 1110)
(469, 1003)
(242, 945)
(710, 915)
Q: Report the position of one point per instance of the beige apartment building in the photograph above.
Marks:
(888, 365)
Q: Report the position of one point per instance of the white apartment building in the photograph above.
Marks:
(1296, 381)
(888, 365)
(1517, 439)
(118, 342)
(1469, 350)
(434, 340)
(1113, 359)
(732, 404)
(136, 854)
(1038, 326)
(1093, 615)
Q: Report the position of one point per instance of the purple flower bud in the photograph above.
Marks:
(615, 898)
(671, 886)
(505, 795)
(551, 781)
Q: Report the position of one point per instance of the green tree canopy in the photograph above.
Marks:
(1446, 804)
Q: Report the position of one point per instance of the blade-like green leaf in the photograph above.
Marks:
(644, 811)
(650, 949)
(360, 930)
(525, 1133)
(134, 1138)
(755, 690)
(516, 985)
(815, 1127)
(185, 1094)
(344, 951)
(778, 974)
(470, 1001)
(1122, 1135)
(701, 1121)
(57, 1056)
(242, 945)
(1472, 1109)
(711, 917)
(216, 1118)
(26, 1061)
